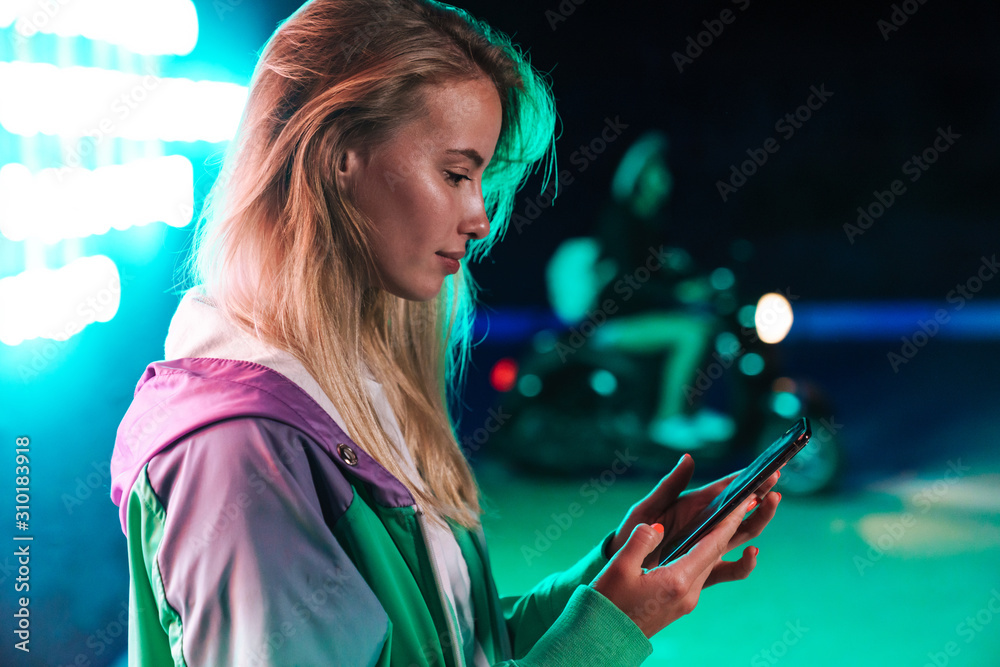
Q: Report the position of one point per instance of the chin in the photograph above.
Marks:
(428, 294)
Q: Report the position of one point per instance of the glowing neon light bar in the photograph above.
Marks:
(57, 204)
(101, 103)
(146, 27)
(57, 304)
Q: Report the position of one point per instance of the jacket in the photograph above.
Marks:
(259, 533)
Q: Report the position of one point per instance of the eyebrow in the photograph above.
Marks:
(470, 153)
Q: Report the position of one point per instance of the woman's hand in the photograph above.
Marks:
(655, 598)
(673, 508)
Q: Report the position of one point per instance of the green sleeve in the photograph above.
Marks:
(590, 631)
(563, 612)
(149, 643)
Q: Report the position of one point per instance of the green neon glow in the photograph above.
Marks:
(530, 385)
(786, 405)
(603, 382)
(751, 364)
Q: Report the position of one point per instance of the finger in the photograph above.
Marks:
(643, 540)
(697, 563)
(670, 487)
(734, 570)
(768, 484)
(716, 487)
(756, 522)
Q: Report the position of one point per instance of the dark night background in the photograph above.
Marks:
(939, 69)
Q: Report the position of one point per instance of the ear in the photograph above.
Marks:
(349, 166)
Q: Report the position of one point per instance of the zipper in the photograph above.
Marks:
(442, 598)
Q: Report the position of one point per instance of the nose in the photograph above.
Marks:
(476, 224)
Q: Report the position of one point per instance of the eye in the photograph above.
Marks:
(455, 179)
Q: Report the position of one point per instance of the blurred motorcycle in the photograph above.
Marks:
(574, 403)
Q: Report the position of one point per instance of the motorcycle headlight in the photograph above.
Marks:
(773, 317)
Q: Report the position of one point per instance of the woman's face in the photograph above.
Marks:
(423, 188)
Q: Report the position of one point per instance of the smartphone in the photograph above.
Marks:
(748, 481)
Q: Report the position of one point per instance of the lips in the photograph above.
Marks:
(453, 255)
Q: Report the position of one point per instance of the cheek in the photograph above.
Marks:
(410, 208)
(423, 209)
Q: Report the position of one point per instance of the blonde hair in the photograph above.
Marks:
(283, 252)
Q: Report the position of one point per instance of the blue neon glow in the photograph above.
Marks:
(830, 321)
(890, 320)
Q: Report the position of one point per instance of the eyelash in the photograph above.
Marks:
(457, 178)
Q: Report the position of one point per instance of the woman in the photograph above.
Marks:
(380, 141)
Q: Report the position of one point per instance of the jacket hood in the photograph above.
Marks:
(214, 371)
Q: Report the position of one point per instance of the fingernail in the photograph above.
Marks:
(657, 527)
(753, 503)
(779, 495)
(779, 474)
(755, 551)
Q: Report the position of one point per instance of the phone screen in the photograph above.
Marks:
(748, 481)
